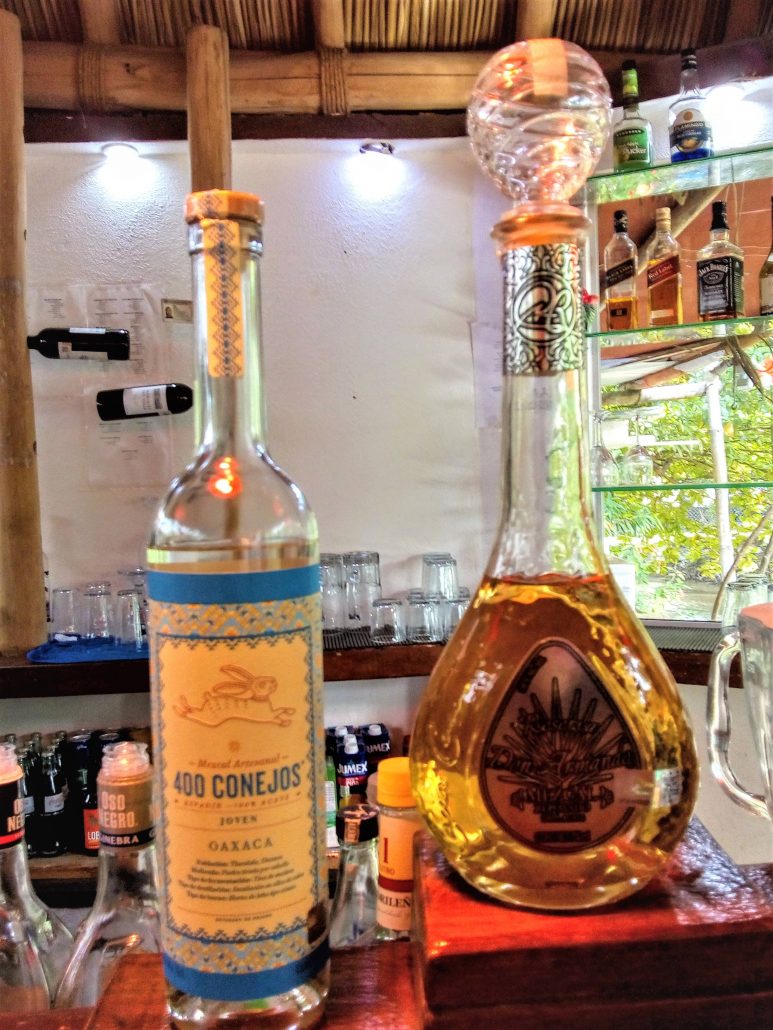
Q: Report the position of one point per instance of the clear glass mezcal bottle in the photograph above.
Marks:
(236, 667)
(551, 757)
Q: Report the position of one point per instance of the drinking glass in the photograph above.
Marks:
(746, 590)
(457, 606)
(753, 638)
(97, 611)
(363, 584)
(637, 466)
(439, 614)
(438, 573)
(387, 624)
(331, 577)
(63, 614)
(128, 619)
(420, 621)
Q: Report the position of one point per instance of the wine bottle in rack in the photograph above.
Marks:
(82, 344)
(144, 401)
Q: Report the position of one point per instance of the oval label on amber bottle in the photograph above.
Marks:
(561, 771)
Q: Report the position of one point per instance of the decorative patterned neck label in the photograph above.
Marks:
(236, 671)
(222, 280)
(560, 770)
(543, 323)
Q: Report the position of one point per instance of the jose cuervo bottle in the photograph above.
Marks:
(236, 658)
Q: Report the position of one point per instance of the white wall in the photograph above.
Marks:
(367, 298)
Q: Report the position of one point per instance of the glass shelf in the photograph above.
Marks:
(650, 487)
(761, 325)
(733, 166)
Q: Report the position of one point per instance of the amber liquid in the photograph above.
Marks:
(508, 622)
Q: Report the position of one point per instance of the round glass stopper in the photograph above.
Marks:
(538, 119)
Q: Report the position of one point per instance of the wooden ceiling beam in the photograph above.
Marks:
(100, 21)
(69, 77)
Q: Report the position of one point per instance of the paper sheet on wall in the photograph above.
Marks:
(127, 453)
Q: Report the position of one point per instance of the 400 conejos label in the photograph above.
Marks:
(237, 677)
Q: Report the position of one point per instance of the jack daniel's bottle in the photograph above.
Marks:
(551, 756)
(720, 271)
(236, 657)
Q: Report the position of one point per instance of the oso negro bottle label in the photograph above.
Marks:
(126, 813)
(237, 712)
(11, 814)
(561, 771)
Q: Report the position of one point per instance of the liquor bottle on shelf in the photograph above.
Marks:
(82, 343)
(144, 401)
(620, 268)
(632, 137)
(766, 276)
(551, 756)
(664, 276)
(720, 271)
(49, 836)
(124, 916)
(34, 944)
(235, 632)
(689, 129)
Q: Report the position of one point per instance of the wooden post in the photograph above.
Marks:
(209, 108)
(100, 21)
(22, 597)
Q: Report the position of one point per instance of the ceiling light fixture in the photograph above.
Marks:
(120, 152)
(377, 146)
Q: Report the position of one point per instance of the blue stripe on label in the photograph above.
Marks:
(246, 986)
(233, 587)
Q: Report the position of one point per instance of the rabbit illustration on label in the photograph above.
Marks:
(241, 696)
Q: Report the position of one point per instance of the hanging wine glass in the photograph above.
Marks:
(604, 468)
(637, 465)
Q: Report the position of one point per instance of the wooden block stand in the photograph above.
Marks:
(694, 949)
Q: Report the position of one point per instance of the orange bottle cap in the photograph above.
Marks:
(394, 783)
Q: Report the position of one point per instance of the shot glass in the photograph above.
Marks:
(387, 624)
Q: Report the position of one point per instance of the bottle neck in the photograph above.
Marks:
(229, 404)
(688, 82)
(129, 873)
(15, 884)
(720, 234)
(546, 525)
(631, 106)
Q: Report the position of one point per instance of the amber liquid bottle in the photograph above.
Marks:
(551, 756)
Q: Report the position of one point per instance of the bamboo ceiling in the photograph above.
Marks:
(651, 26)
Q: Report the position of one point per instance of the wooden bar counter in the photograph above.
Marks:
(370, 988)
